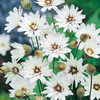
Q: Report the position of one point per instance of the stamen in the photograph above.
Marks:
(90, 51)
(73, 70)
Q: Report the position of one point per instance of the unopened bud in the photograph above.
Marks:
(38, 53)
(5, 69)
(26, 4)
(80, 92)
(40, 98)
(61, 66)
(19, 94)
(73, 44)
(83, 37)
(86, 56)
(91, 69)
(27, 49)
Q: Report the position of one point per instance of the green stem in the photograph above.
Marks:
(71, 36)
(17, 74)
(32, 10)
(32, 43)
(54, 65)
(39, 87)
(27, 96)
(77, 49)
(90, 85)
(37, 42)
(53, 21)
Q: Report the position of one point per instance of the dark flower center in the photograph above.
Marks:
(58, 88)
(15, 70)
(96, 86)
(37, 69)
(33, 25)
(24, 89)
(54, 46)
(70, 19)
(73, 70)
(90, 51)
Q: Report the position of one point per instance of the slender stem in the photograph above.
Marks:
(53, 20)
(27, 96)
(39, 87)
(77, 49)
(80, 99)
(90, 86)
(37, 42)
(17, 74)
(32, 10)
(54, 65)
(71, 36)
(32, 43)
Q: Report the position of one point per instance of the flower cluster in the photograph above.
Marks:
(53, 68)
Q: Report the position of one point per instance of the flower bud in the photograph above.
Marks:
(73, 44)
(86, 56)
(26, 4)
(80, 92)
(19, 94)
(40, 98)
(38, 53)
(27, 49)
(5, 69)
(83, 37)
(61, 66)
(91, 69)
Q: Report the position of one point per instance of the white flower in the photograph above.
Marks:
(4, 44)
(13, 19)
(32, 24)
(55, 45)
(75, 70)
(15, 70)
(91, 48)
(69, 18)
(22, 85)
(57, 87)
(89, 30)
(49, 4)
(18, 52)
(95, 91)
(36, 68)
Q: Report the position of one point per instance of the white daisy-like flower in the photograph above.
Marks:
(89, 30)
(22, 85)
(69, 18)
(75, 70)
(91, 48)
(15, 70)
(32, 24)
(49, 4)
(95, 91)
(18, 52)
(4, 44)
(13, 19)
(55, 45)
(57, 87)
(36, 68)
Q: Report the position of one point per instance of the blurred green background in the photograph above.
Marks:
(91, 8)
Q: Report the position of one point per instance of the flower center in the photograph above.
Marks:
(2, 44)
(54, 46)
(37, 69)
(90, 51)
(96, 86)
(70, 19)
(73, 70)
(58, 88)
(48, 2)
(24, 89)
(32, 25)
(15, 70)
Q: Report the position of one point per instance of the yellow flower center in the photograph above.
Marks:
(48, 2)
(70, 19)
(58, 88)
(54, 46)
(37, 69)
(73, 70)
(90, 51)
(15, 70)
(2, 44)
(24, 89)
(32, 25)
(96, 87)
